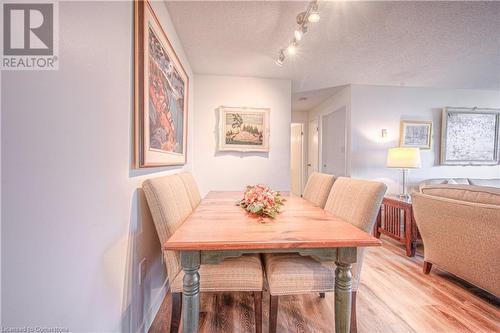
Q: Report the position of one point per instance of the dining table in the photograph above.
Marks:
(218, 228)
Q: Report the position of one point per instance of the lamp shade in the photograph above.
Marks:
(404, 158)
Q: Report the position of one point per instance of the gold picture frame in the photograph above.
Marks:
(161, 94)
(415, 134)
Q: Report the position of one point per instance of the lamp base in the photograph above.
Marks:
(405, 196)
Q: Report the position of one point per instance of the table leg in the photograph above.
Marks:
(190, 261)
(343, 289)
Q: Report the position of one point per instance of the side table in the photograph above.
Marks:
(396, 220)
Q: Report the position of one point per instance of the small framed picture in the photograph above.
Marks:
(243, 129)
(415, 134)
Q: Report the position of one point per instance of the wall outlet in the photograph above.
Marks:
(142, 271)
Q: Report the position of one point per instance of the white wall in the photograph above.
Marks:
(234, 170)
(74, 225)
(376, 107)
(300, 117)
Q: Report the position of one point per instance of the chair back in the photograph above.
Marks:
(317, 188)
(191, 188)
(357, 202)
(169, 204)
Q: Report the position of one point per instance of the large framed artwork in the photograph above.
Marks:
(470, 136)
(415, 134)
(243, 129)
(161, 94)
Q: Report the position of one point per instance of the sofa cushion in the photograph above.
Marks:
(437, 181)
(495, 182)
(477, 194)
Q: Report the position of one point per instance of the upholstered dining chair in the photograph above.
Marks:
(317, 188)
(169, 201)
(191, 188)
(355, 201)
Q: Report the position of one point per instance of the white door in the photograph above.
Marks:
(296, 159)
(333, 143)
(312, 147)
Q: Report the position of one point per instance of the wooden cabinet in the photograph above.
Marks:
(396, 220)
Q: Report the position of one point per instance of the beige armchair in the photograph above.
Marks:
(355, 201)
(317, 188)
(460, 229)
(171, 199)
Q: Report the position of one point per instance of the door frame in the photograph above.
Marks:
(317, 120)
(302, 155)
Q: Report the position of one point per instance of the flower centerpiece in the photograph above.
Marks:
(262, 201)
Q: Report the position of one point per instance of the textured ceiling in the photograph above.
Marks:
(429, 44)
(307, 100)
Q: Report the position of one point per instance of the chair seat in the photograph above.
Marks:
(233, 274)
(289, 273)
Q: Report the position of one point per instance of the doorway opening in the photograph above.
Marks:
(297, 158)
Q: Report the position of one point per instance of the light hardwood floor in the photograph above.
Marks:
(394, 296)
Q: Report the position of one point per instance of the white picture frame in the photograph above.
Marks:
(470, 136)
(243, 129)
(415, 134)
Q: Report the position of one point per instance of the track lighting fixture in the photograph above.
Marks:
(310, 15)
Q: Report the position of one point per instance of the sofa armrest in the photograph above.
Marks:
(461, 237)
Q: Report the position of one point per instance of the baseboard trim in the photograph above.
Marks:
(150, 316)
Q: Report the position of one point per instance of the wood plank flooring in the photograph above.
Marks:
(394, 296)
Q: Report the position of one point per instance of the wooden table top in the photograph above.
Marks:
(219, 224)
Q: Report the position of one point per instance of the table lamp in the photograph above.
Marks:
(404, 159)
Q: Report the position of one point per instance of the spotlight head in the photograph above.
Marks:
(298, 34)
(292, 48)
(313, 17)
(313, 13)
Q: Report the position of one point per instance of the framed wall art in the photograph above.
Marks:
(415, 134)
(470, 136)
(243, 129)
(161, 94)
